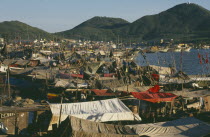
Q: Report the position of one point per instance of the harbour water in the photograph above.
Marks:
(195, 62)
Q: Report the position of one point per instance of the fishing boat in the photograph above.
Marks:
(110, 75)
(21, 71)
(67, 75)
(177, 50)
(163, 50)
(77, 76)
(186, 49)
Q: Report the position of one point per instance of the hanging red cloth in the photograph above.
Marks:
(102, 92)
(207, 58)
(199, 56)
(156, 77)
(154, 89)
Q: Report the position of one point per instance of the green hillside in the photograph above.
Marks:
(184, 22)
(15, 29)
(96, 28)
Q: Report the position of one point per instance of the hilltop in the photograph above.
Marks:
(14, 29)
(96, 28)
(184, 22)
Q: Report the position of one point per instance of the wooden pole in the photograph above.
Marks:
(171, 109)
(5, 84)
(8, 83)
(139, 107)
(16, 128)
(60, 111)
(46, 80)
(77, 88)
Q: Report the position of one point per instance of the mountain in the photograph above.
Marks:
(96, 28)
(15, 29)
(184, 22)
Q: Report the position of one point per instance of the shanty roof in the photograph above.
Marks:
(162, 70)
(9, 61)
(76, 127)
(46, 52)
(118, 54)
(102, 92)
(187, 93)
(185, 127)
(102, 53)
(99, 111)
(22, 62)
(91, 68)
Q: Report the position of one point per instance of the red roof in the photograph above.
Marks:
(154, 97)
(109, 74)
(77, 75)
(102, 92)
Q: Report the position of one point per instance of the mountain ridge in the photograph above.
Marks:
(183, 21)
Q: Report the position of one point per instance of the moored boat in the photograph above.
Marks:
(187, 49)
(163, 50)
(177, 50)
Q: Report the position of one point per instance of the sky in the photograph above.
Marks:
(59, 15)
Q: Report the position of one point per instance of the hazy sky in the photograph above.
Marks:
(60, 15)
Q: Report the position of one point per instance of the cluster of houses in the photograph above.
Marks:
(96, 89)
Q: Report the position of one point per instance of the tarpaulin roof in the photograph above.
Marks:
(91, 68)
(188, 93)
(62, 83)
(75, 127)
(102, 92)
(154, 97)
(99, 111)
(34, 63)
(162, 70)
(185, 127)
(102, 52)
